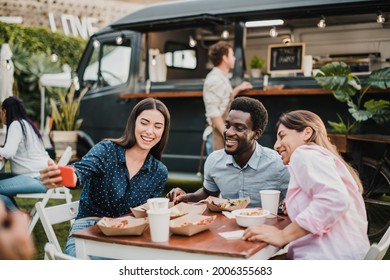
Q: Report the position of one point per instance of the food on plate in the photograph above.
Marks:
(216, 204)
(254, 213)
(250, 216)
(227, 203)
(183, 209)
(198, 223)
(176, 215)
(191, 224)
(121, 224)
(204, 222)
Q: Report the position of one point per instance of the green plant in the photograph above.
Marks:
(256, 62)
(40, 40)
(348, 88)
(65, 114)
(343, 127)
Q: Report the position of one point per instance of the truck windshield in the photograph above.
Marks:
(108, 65)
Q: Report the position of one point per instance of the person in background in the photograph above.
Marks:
(324, 198)
(15, 240)
(118, 174)
(24, 149)
(244, 167)
(218, 94)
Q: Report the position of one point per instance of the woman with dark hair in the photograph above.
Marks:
(24, 149)
(324, 197)
(118, 174)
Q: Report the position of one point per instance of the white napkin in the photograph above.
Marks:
(237, 234)
(228, 214)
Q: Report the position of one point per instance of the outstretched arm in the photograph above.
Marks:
(273, 235)
(178, 195)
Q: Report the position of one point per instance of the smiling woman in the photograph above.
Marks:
(324, 198)
(108, 170)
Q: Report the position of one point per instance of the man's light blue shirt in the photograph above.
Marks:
(264, 171)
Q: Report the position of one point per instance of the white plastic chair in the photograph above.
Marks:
(51, 253)
(52, 215)
(56, 193)
(378, 250)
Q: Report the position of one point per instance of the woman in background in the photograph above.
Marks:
(324, 197)
(119, 174)
(24, 149)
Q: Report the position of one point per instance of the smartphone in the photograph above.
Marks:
(67, 174)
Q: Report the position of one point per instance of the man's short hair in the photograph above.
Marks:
(218, 50)
(255, 108)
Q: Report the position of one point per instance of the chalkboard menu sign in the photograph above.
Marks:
(286, 58)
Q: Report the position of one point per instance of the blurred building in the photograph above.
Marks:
(76, 17)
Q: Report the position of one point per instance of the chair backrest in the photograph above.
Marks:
(56, 193)
(51, 253)
(65, 158)
(378, 250)
(54, 215)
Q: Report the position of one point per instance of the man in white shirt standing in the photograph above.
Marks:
(218, 93)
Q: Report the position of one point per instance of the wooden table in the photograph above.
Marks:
(205, 245)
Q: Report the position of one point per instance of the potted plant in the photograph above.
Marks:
(256, 64)
(348, 88)
(65, 112)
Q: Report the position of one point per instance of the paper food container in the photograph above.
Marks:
(191, 224)
(182, 209)
(140, 211)
(122, 226)
(219, 204)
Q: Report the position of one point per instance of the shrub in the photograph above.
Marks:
(32, 48)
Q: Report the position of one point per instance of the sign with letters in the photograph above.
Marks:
(286, 58)
(72, 25)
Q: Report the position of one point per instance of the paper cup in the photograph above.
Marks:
(270, 201)
(158, 203)
(159, 224)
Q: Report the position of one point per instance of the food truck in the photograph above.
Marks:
(161, 51)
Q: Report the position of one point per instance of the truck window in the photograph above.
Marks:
(178, 55)
(109, 64)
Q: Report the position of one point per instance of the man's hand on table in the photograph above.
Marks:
(177, 195)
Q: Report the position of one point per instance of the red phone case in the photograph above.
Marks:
(67, 174)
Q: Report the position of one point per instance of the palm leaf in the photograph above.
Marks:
(337, 77)
(380, 78)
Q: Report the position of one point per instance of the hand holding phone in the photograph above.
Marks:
(68, 176)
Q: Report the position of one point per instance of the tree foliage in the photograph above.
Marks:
(32, 48)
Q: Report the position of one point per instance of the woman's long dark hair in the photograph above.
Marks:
(128, 140)
(15, 111)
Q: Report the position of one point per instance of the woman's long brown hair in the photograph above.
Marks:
(128, 140)
(300, 119)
